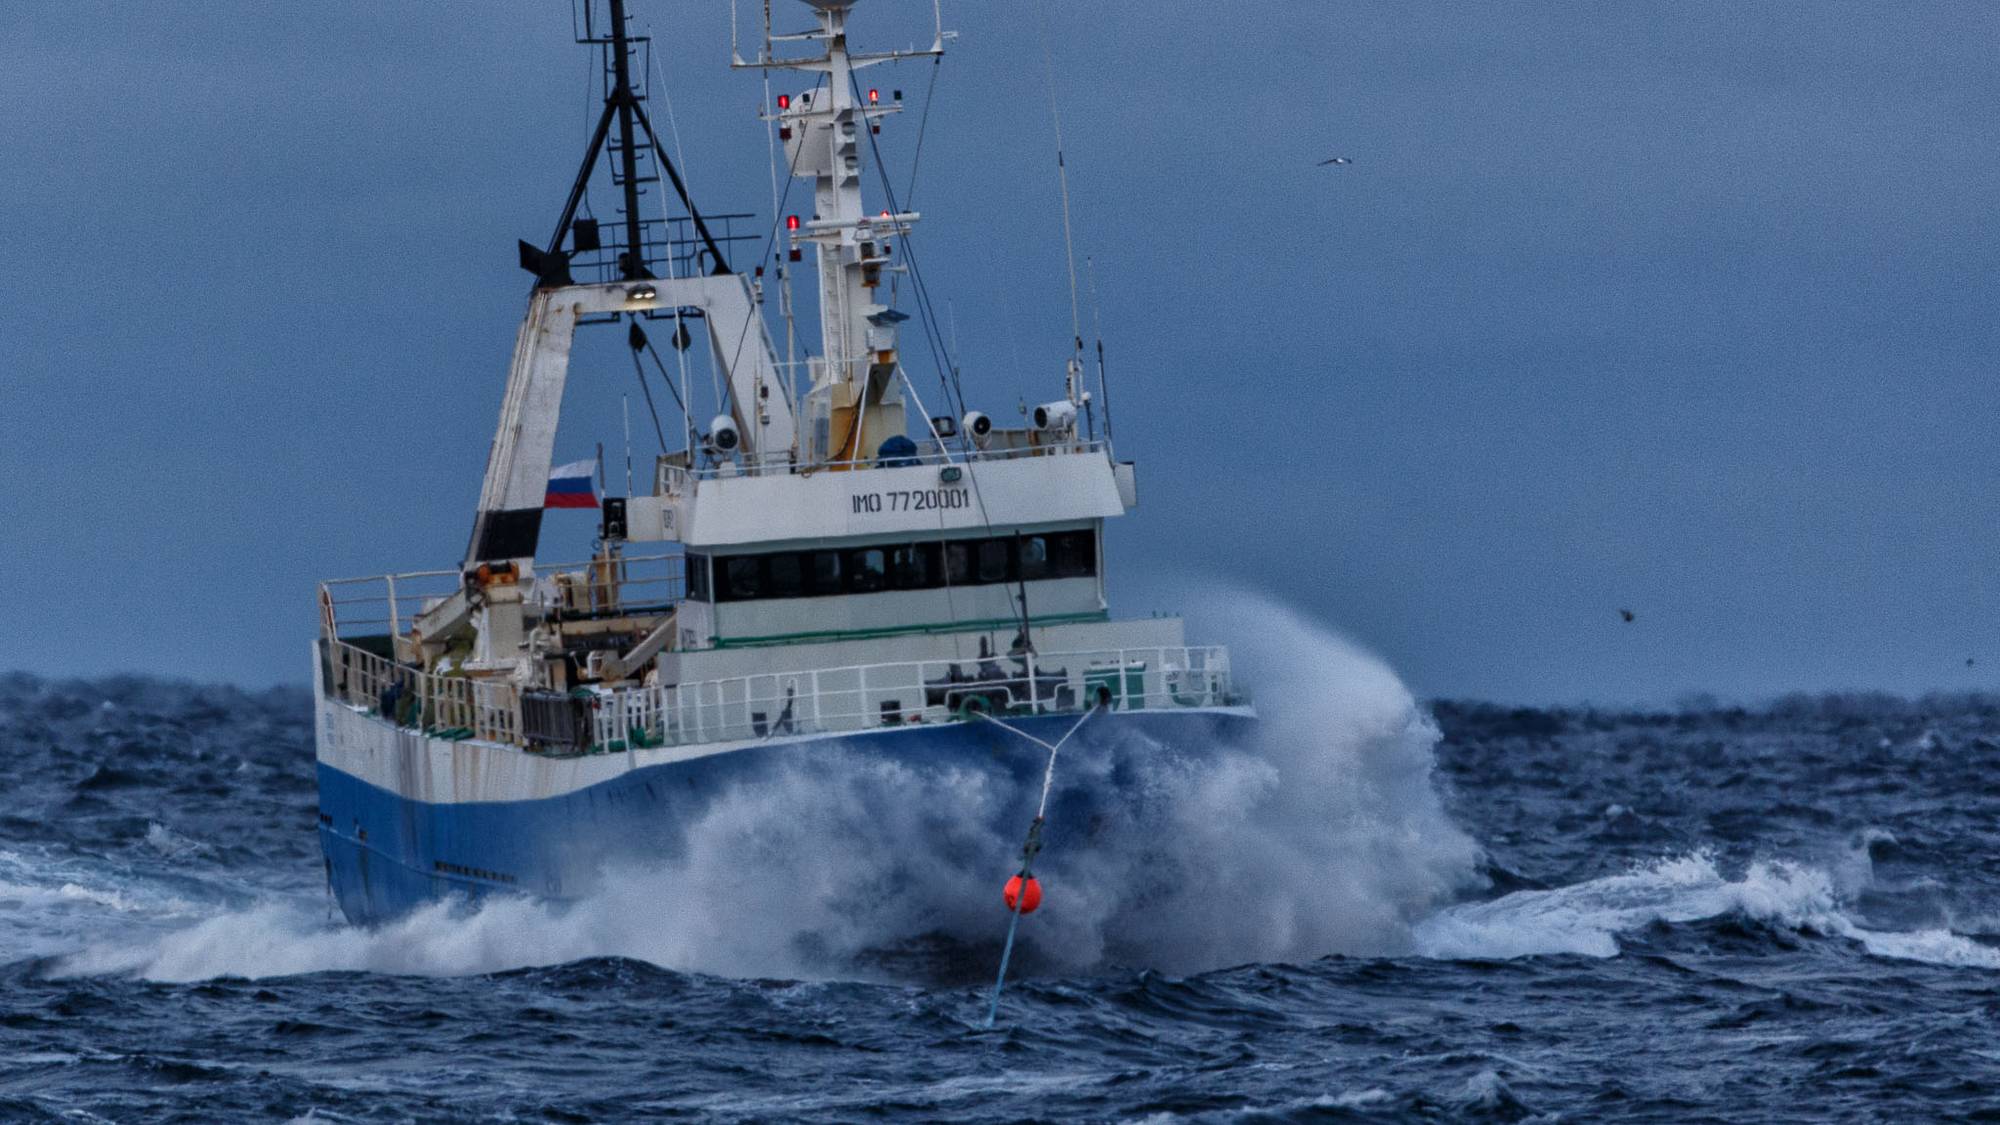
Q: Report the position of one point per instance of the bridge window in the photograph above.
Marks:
(913, 567)
(1034, 558)
(697, 577)
(743, 577)
(1075, 554)
(958, 563)
(994, 555)
(869, 570)
(903, 566)
(787, 577)
(826, 572)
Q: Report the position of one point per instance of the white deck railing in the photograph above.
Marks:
(670, 476)
(387, 603)
(451, 705)
(781, 704)
(862, 697)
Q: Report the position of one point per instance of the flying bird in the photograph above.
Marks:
(1335, 160)
(1968, 662)
(1626, 614)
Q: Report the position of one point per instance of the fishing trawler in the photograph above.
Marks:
(824, 567)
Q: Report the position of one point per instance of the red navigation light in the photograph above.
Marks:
(791, 222)
(874, 96)
(885, 214)
(784, 101)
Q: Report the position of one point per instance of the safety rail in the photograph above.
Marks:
(388, 603)
(778, 704)
(868, 696)
(671, 248)
(449, 706)
(671, 475)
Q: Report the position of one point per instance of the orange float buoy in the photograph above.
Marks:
(1030, 900)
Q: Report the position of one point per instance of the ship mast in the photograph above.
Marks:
(856, 401)
(623, 106)
(632, 263)
(757, 425)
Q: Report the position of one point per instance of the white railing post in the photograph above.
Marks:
(494, 711)
(395, 629)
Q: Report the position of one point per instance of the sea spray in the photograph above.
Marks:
(1783, 1005)
(1321, 833)
(1325, 833)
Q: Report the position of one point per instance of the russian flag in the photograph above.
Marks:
(569, 486)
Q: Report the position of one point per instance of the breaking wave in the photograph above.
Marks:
(1588, 917)
(1324, 835)
(1813, 869)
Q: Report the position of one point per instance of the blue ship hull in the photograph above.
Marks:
(388, 853)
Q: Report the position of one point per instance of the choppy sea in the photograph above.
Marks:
(1387, 910)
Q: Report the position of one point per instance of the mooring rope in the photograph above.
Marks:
(1028, 849)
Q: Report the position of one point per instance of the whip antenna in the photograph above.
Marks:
(1097, 329)
(1075, 367)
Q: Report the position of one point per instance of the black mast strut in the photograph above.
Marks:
(632, 263)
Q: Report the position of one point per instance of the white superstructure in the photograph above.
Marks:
(819, 527)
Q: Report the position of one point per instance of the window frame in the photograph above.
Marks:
(920, 557)
(1067, 553)
(1021, 550)
(820, 585)
(1073, 554)
(1005, 545)
(856, 569)
(727, 586)
(798, 565)
(694, 571)
(966, 550)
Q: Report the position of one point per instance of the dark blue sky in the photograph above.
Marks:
(1681, 307)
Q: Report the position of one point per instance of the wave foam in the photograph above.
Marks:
(1324, 835)
(1586, 918)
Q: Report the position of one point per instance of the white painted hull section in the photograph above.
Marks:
(419, 767)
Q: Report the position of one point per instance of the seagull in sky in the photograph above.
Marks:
(1335, 160)
(1626, 614)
